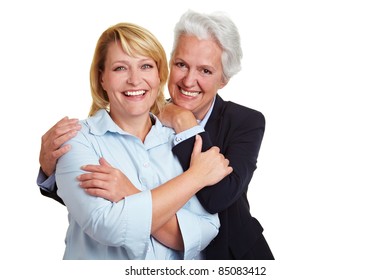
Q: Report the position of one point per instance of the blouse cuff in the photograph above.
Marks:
(186, 134)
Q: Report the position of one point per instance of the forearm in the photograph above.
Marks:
(171, 196)
(170, 235)
(191, 230)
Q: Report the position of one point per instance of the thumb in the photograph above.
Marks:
(103, 162)
(197, 145)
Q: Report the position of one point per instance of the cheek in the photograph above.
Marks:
(155, 84)
(108, 82)
(175, 76)
(207, 86)
(213, 85)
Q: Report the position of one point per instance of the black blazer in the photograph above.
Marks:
(238, 132)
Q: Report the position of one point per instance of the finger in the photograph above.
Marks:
(57, 136)
(65, 121)
(93, 176)
(60, 152)
(95, 168)
(230, 170)
(197, 145)
(98, 184)
(104, 162)
(60, 140)
(65, 124)
(64, 130)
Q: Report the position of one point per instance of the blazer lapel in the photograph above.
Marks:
(213, 125)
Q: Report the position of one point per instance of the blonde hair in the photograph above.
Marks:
(134, 39)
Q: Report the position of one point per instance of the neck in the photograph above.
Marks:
(137, 126)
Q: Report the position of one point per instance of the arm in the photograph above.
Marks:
(166, 199)
(52, 141)
(240, 144)
(51, 150)
(110, 183)
(101, 219)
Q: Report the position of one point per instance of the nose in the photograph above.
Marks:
(134, 77)
(189, 80)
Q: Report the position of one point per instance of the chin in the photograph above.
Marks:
(184, 104)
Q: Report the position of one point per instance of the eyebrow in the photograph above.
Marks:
(142, 60)
(178, 59)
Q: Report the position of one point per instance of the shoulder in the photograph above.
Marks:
(241, 113)
(240, 109)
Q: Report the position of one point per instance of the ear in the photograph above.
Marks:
(101, 81)
(223, 83)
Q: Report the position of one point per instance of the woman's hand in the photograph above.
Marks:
(52, 141)
(208, 167)
(106, 181)
(176, 117)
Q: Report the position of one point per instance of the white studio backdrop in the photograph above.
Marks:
(319, 72)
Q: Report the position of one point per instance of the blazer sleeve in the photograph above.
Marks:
(184, 149)
(239, 140)
(52, 194)
(48, 186)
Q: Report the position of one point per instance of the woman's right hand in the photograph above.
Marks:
(208, 167)
(176, 117)
(52, 141)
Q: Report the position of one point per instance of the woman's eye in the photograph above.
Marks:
(180, 64)
(207, 71)
(147, 66)
(119, 68)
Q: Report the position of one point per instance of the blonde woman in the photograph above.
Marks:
(159, 218)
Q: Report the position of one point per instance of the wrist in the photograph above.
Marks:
(183, 121)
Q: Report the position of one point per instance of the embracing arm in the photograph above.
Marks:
(52, 149)
(52, 141)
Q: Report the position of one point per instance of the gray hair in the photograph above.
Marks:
(219, 27)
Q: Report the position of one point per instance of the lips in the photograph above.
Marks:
(134, 93)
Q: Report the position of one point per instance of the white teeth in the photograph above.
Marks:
(188, 93)
(134, 93)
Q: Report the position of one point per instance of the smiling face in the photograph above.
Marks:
(196, 74)
(132, 83)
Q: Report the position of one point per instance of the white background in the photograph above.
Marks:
(319, 72)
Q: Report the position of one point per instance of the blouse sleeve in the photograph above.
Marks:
(126, 223)
(198, 228)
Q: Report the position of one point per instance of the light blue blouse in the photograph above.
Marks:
(100, 229)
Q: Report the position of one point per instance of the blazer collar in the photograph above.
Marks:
(218, 109)
(213, 125)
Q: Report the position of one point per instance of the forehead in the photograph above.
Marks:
(115, 52)
(202, 50)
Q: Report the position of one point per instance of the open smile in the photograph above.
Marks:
(134, 93)
(189, 93)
